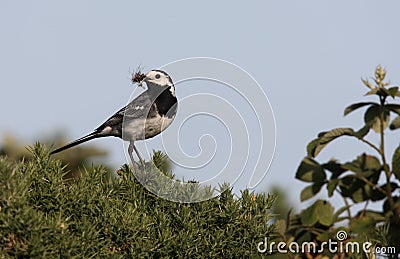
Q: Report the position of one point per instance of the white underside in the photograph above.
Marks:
(143, 129)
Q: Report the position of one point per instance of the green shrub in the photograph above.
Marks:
(98, 215)
(364, 180)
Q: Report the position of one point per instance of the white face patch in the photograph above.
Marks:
(158, 78)
(139, 107)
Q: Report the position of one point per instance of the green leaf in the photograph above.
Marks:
(362, 224)
(325, 213)
(393, 107)
(375, 215)
(373, 91)
(332, 134)
(310, 191)
(352, 166)
(310, 171)
(362, 132)
(365, 165)
(357, 190)
(380, 91)
(372, 118)
(361, 194)
(309, 216)
(383, 91)
(312, 146)
(395, 123)
(396, 163)
(320, 211)
(325, 138)
(332, 186)
(393, 91)
(367, 83)
(371, 163)
(376, 195)
(335, 168)
(356, 106)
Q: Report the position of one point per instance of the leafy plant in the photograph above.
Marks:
(357, 181)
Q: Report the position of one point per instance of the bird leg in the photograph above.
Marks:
(130, 151)
(137, 153)
(132, 148)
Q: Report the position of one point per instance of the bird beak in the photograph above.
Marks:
(141, 82)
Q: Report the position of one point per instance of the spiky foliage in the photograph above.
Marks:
(98, 215)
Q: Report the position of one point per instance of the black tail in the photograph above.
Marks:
(88, 137)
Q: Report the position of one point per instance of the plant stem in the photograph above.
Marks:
(365, 180)
(385, 166)
(371, 145)
(348, 207)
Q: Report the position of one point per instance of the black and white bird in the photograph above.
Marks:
(145, 117)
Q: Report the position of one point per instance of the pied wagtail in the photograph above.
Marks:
(145, 117)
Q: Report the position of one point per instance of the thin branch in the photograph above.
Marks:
(347, 207)
(371, 145)
(365, 180)
(365, 207)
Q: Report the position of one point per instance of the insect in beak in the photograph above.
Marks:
(138, 78)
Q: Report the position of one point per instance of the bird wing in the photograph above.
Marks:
(140, 108)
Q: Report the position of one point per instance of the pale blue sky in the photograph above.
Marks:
(64, 65)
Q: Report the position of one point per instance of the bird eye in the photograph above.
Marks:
(158, 76)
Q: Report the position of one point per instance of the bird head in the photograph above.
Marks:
(157, 78)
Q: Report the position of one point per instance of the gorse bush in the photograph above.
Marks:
(42, 215)
(74, 159)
